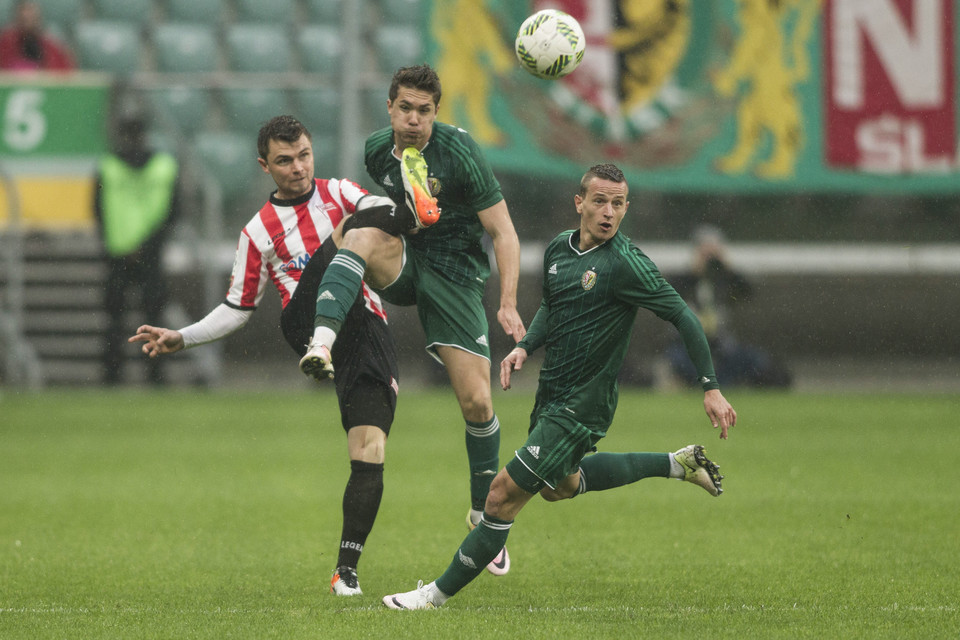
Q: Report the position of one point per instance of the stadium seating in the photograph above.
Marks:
(263, 12)
(399, 12)
(62, 13)
(247, 108)
(108, 46)
(324, 11)
(228, 158)
(186, 108)
(326, 157)
(185, 47)
(397, 46)
(257, 47)
(135, 11)
(374, 102)
(319, 109)
(320, 48)
(202, 11)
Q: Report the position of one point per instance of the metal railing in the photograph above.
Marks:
(21, 366)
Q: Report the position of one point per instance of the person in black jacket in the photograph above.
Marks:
(711, 287)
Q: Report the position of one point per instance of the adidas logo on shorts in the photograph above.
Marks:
(534, 451)
(326, 295)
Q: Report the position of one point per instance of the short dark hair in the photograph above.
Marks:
(283, 128)
(421, 77)
(605, 171)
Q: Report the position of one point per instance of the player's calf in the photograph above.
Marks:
(386, 217)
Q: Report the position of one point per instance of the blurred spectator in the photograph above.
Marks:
(135, 205)
(25, 46)
(711, 287)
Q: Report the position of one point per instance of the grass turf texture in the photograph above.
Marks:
(212, 515)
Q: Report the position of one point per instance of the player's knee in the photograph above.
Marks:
(499, 500)
(550, 495)
(553, 495)
(367, 444)
(364, 240)
(476, 405)
(373, 453)
(373, 245)
(565, 490)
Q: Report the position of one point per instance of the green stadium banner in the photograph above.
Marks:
(715, 95)
(52, 116)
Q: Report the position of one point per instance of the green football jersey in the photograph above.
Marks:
(463, 183)
(590, 300)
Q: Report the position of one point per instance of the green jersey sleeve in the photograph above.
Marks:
(376, 155)
(641, 284)
(536, 335)
(694, 339)
(481, 188)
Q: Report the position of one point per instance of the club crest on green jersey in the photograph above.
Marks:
(588, 279)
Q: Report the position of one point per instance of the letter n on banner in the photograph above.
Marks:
(890, 103)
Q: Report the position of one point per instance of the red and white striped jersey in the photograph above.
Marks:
(280, 239)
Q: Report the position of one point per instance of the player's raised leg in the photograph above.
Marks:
(317, 362)
(698, 469)
(413, 170)
(365, 253)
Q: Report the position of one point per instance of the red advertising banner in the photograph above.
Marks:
(890, 101)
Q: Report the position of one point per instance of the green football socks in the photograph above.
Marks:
(483, 455)
(602, 471)
(339, 288)
(476, 551)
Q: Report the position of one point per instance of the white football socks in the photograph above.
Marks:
(677, 470)
(475, 516)
(325, 336)
(436, 596)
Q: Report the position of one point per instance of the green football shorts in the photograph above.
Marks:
(451, 314)
(553, 450)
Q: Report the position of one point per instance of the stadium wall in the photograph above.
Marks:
(840, 329)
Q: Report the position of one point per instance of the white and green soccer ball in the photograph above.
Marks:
(550, 44)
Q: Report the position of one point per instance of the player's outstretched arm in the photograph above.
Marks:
(506, 250)
(509, 319)
(513, 362)
(157, 340)
(719, 411)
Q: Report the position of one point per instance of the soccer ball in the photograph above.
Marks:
(550, 44)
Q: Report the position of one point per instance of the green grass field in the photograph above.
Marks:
(215, 515)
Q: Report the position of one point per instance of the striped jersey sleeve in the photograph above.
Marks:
(280, 239)
(248, 276)
(346, 194)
